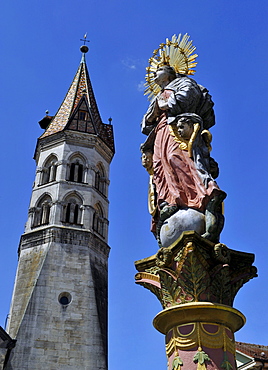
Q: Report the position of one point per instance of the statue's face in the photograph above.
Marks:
(161, 76)
(185, 129)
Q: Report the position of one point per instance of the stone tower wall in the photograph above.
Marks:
(50, 334)
(59, 307)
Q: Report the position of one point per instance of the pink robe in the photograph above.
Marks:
(175, 176)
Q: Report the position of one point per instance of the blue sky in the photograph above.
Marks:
(39, 57)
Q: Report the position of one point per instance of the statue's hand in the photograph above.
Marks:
(162, 103)
(152, 114)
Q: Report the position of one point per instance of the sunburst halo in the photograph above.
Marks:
(177, 53)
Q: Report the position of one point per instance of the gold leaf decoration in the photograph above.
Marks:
(177, 53)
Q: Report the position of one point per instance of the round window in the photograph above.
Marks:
(65, 298)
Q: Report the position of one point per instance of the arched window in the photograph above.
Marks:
(72, 210)
(76, 169)
(49, 170)
(76, 172)
(100, 179)
(42, 211)
(98, 220)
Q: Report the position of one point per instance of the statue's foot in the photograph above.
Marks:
(217, 197)
(167, 211)
(214, 218)
(213, 237)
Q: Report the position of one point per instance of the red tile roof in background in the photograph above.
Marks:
(257, 351)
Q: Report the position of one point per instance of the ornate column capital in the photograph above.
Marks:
(194, 269)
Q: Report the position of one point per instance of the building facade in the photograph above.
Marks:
(58, 312)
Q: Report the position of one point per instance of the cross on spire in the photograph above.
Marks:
(84, 48)
(85, 39)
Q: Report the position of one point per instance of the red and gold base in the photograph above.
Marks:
(200, 335)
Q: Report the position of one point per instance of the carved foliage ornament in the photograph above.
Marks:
(193, 274)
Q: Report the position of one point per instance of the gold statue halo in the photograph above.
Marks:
(177, 53)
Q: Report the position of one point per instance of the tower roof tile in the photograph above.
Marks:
(80, 90)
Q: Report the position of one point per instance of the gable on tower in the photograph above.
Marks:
(82, 119)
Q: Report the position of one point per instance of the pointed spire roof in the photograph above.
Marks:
(79, 110)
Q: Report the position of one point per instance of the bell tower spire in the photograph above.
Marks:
(80, 96)
(59, 306)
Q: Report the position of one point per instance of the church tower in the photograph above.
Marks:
(58, 312)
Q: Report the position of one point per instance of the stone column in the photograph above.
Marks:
(55, 212)
(38, 177)
(85, 171)
(196, 282)
(76, 170)
(62, 172)
(52, 172)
